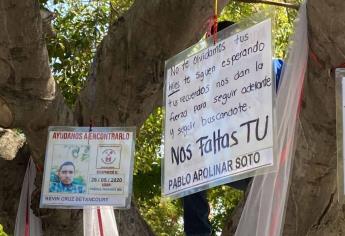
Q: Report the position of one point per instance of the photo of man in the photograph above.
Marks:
(65, 181)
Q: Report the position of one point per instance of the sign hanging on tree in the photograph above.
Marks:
(218, 123)
(88, 168)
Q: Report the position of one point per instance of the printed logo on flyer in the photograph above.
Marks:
(108, 156)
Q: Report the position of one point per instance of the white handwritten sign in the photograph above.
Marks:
(88, 168)
(218, 112)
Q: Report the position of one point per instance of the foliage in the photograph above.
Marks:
(148, 143)
(80, 27)
(284, 18)
(283, 30)
(164, 216)
(237, 11)
(2, 232)
(223, 201)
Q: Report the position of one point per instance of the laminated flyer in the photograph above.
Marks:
(86, 167)
(219, 119)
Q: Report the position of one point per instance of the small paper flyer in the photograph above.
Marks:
(88, 168)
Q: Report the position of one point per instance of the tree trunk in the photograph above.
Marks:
(312, 207)
(124, 86)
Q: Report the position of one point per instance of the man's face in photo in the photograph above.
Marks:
(66, 174)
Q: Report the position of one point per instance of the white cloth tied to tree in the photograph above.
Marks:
(99, 222)
(263, 213)
(27, 224)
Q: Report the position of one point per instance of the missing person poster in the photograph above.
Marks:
(88, 168)
(218, 124)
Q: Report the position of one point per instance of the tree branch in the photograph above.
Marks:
(129, 68)
(29, 98)
(280, 4)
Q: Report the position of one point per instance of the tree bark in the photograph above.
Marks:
(124, 86)
(312, 207)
